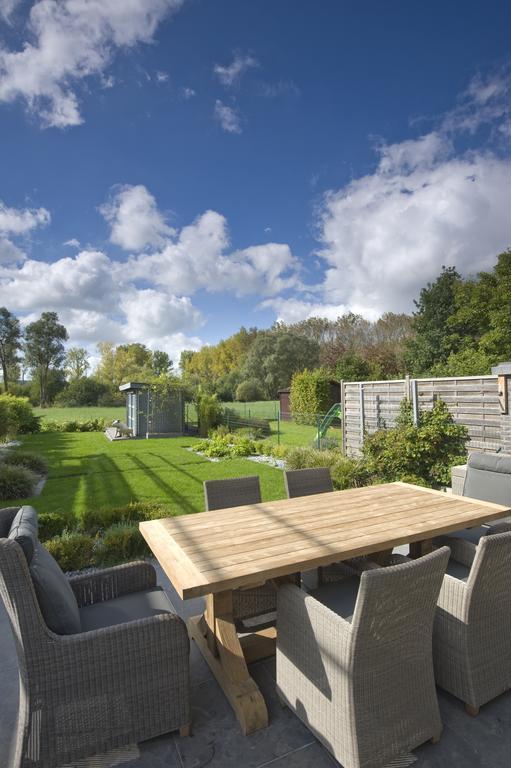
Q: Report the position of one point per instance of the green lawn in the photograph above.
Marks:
(87, 471)
(81, 414)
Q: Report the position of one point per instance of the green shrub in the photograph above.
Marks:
(84, 425)
(93, 521)
(346, 472)
(426, 451)
(50, 524)
(227, 446)
(208, 410)
(248, 391)
(17, 416)
(16, 482)
(120, 543)
(85, 391)
(32, 461)
(73, 551)
(310, 395)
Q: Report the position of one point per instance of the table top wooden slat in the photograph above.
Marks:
(225, 549)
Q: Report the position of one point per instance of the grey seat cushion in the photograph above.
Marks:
(489, 478)
(340, 596)
(57, 600)
(24, 530)
(139, 605)
(458, 570)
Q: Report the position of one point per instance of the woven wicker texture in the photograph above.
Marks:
(471, 640)
(306, 482)
(235, 492)
(365, 688)
(92, 692)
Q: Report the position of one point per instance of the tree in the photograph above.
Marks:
(84, 391)
(77, 363)
(44, 349)
(127, 362)
(10, 343)
(248, 391)
(436, 305)
(275, 355)
(161, 363)
(353, 367)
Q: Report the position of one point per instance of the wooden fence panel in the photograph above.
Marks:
(372, 405)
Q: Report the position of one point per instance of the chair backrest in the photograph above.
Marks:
(306, 482)
(395, 608)
(488, 594)
(488, 478)
(234, 492)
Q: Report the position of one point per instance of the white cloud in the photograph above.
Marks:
(73, 243)
(7, 7)
(136, 223)
(228, 117)
(231, 74)
(188, 93)
(10, 253)
(294, 310)
(162, 77)
(68, 41)
(16, 222)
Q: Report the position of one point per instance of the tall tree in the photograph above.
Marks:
(77, 363)
(10, 343)
(44, 349)
(275, 355)
(436, 305)
(161, 363)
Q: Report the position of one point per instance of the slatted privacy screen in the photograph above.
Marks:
(371, 405)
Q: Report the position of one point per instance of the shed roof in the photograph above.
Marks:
(132, 386)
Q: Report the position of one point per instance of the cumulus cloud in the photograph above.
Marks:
(231, 74)
(69, 41)
(136, 223)
(73, 243)
(228, 117)
(293, 310)
(7, 7)
(426, 204)
(17, 222)
(187, 93)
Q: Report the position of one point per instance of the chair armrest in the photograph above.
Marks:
(108, 583)
(462, 550)
(134, 656)
(452, 597)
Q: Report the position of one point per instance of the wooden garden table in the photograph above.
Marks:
(212, 553)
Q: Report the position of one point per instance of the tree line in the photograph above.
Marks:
(460, 326)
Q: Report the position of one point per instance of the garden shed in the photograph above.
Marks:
(154, 414)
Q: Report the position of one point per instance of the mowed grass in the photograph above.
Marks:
(87, 471)
(81, 414)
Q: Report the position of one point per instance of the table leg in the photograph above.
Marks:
(420, 548)
(217, 639)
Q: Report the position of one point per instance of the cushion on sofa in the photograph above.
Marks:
(57, 600)
(7, 515)
(24, 530)
(139, 605)
(489, 478)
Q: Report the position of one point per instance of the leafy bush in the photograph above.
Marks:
(50, 524)
(346, 472)
(81, 392)
(32, 461)
(248, 391)
(226, 446)
(92, 521)
(120, 543)
(209, 410)
(17, 416)
(73, 551)
(426, 451)
(84, 425)
(15, 482)
(310, 395)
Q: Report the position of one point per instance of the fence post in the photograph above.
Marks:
(318, 436)
(343, 418)
(361, 412)
(415, 402)
(407, 386)
(278, 429)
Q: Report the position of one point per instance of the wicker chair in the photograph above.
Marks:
(87, 693)
(471, 638)
(488, 478)
(248, 604)
(354, 660)
(306, 482)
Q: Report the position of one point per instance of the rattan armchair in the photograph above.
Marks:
(488, 477)
(254, 602)
(354, 660)
(87, 693)
(472, 631)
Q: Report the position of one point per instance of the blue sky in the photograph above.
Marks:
(172, 170)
